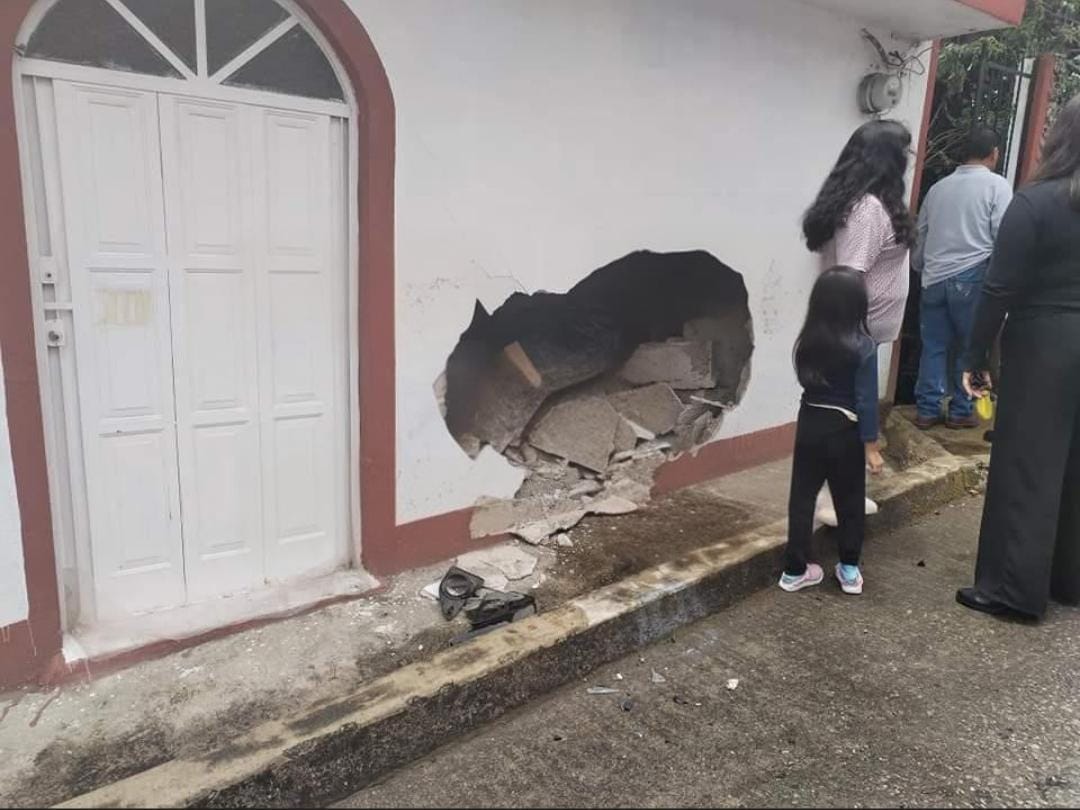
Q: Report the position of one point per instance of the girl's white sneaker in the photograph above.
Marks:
(813, 575)
(849, 584)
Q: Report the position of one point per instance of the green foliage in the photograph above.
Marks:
(1049, 26)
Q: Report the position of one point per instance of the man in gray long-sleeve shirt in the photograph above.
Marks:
(958, 223)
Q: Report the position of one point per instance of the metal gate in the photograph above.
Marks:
(995, 95)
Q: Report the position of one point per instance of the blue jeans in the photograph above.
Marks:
(947, 316)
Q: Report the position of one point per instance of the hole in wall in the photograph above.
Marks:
(591, 390)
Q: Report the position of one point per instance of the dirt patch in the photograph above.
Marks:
(68, 767)
(609, 548)
(966, 442)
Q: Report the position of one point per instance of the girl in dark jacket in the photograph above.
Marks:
(837, 434)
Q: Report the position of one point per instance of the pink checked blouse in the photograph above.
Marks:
(867, 242)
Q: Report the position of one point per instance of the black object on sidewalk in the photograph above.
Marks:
(456, 588)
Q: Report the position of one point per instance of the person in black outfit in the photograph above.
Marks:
(1029, 545)
(837, 434)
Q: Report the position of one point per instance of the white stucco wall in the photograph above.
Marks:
(538, 141)
(13, 605)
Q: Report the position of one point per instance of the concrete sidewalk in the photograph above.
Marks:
(276, 714)
(63, 741)
(896, 698)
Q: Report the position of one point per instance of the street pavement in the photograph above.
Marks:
(897, 698)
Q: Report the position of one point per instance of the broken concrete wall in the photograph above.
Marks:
(537, 141)
(590, 391)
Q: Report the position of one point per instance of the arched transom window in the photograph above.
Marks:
(256, 44)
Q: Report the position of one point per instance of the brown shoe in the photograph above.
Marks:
(966, 423)
(927, 422)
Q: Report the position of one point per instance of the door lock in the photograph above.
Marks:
(55, 334)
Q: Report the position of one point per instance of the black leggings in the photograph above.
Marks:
(827, 448)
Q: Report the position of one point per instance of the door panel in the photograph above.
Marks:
(298, 248)
(111, 175)
(206, 252)
(211, 269)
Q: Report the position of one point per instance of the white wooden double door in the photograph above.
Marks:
(207, 261)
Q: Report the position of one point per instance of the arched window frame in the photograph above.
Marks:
(199, 82)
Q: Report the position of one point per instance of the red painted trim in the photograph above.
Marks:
(34, 642)
(916, 188)
(431, 540)
(725, 457)
(1008, 11)
(376, 125)
(924, 126)
(1042, 94)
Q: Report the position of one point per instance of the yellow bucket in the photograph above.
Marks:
(984, 407)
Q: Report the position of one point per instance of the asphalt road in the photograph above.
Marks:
(896, 698)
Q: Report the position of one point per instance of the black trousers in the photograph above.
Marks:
(827, 448)
(1029, 545)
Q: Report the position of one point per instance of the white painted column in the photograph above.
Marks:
(14, 606)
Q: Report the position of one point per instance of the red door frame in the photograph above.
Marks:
(30, 648)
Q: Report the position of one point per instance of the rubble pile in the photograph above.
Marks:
(591, 391)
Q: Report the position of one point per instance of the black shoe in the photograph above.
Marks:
(971, 598)
(988, 437)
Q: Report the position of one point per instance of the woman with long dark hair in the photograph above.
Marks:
(860, 220)
(1029, 545)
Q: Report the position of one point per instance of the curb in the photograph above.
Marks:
(338, 747)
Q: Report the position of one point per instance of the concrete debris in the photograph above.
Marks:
(644, 450)
(655, 407)
(509, 560)
(431, 591)
(539, 531)
(489, 400)
(682, 364)
(514, 454)
(639, 431)
(657, 677)
(712, 403)
(493, 516)
(517, 357)
(626, 438)
(704, 429)
(548, 481)
(562, 540)
(588, 487)
(612, 505)
(733, 684)
(609, 504)
(579, 430)
(631, 490)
